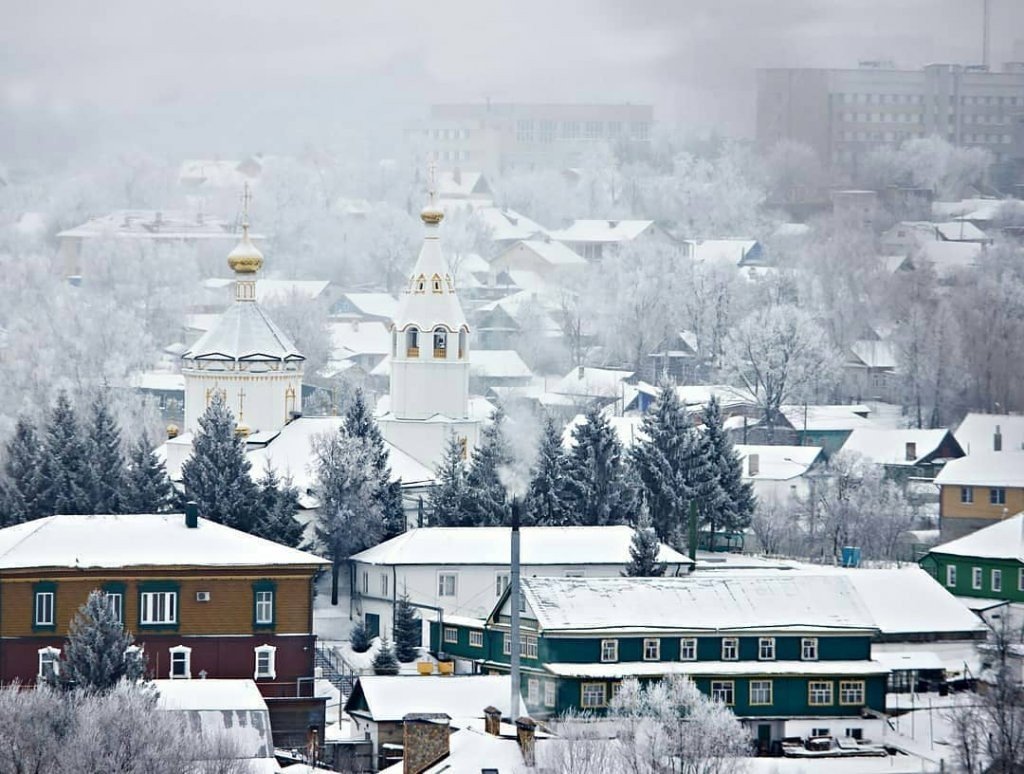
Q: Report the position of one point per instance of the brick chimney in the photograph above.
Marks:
(492, 721)
(525, 730)
(424, 740)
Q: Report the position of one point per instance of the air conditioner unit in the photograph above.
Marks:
(202, 596)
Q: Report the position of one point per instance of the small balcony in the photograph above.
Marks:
(412, 352)
(440, 353)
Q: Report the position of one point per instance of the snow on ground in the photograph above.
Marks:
(331, 622)
(898, 764)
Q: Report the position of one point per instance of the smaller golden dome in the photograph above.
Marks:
(431, 214)
(243, 430)
(172, 430)
(245, 258)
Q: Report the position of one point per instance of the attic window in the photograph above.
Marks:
(435, 282)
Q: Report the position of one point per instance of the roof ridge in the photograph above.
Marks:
(29, 533)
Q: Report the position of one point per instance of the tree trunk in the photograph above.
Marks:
(335, 569)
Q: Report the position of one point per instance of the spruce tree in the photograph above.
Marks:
(408, 630)
(96, 652)
(661, 458)
(447, 495)
(597, 488)
(216, 476)
(106, 459)
(644, 549)
(360, 423)
(66, 473)
(484, 501)
(278, 503)
(22, 482)
(385, 663)
(735, 499)
(545, 503)
(147, 488)
(359, 638)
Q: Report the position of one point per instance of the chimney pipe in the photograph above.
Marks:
(525, 734)
(514, 678)
(579, 372)
(192, 514)
(492, 721)
(997, 440)
(753, 464)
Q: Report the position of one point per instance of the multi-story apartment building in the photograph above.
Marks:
(842, 114)
(493, 136)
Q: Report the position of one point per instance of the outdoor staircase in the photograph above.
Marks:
(334, 670)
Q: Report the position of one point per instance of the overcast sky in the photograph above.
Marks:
(197, 76)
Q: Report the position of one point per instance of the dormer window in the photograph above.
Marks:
(435, 283)
(440, 343)
(421, 284)
(412, 343)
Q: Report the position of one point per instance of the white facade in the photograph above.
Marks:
(264, 400)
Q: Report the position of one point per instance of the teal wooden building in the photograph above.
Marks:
(791, 654)
(984, 565)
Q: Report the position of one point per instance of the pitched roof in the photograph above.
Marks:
(551, 252)
(976, 432)
(728, 251)
(244, 332)
(777, 463)
(602, 230)
(390, 698)
(874, 354)
(755, 601)
(984, 468)
(498, 364)
(824, 418)
(375, 304)
(275, 290)
(492, 546)
(628, 429)
(887, 446)
(154, 225)
(507, 225)
(589, 381)
(1001, 540)
(138, 540)
(359, 338)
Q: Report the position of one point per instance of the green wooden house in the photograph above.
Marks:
(777, 648)
(987, 564)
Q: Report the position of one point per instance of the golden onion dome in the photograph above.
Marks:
(246, 257)
(172, 430)
(431, 214)
(243, 430)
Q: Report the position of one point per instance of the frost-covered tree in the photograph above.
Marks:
(106, 458)
(484, 500)
(449, 493)
(349, 518)
(278, 503)
(217, 476)
(147, 488)
(546, 503)
(359, 638)
(384, 662)
(96, 655)
(22, 485)
(644, 549)
(360, 423)
(408, 630)
(597, 486)
(68, 481)
(660, 458)
(734, 498)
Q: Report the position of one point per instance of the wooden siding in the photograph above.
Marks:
(936, 565)
(229, 611)
(950, 506)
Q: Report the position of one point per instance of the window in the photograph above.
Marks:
(592, 695)
(440, 336)
(501, 581)
(609, 650)
(809, 649)
(821, 732)
(760, 693)
(451, 635)
(366, 582)
(506, 645)
(976, 578)
(951, 575)
(766, 649)
(49, 662)
(688, 649)
(730, 649)
(383, 585)
(549, 693)
(158, 608)
(44, 608)
(412, 338)
(115, 603)
(181, 663)
(997, 580)
(723, 691)
(533, 691)
(528, 646)
(476, 639)
(524, 130)
(446, 584)
(1020, 579)
(851, 692)
(652, 649)
(547, 131)
(997, 496)
(266, 658)
(264, 601)
(819, 693)
(967, 494)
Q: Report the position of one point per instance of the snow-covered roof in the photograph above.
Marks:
(528, 280)
(960, 231)
(697, 396)
(373, 304)
(472, 751)
(213, 173)
(791, 230)
(948, 257)
(1002, 540)
(155, 225)
(138, 540)
(777, 463)
(984, 468)
(592, 382)
(461, 184)
(728, 251)
(159, 381)
(628, 429)
(703, 668)
(276, 291)
(889, 446)
(498, 364)
(824, 418)
(391, 698)
(244, 332)
(602, 230)
(430, 299)
(505, 225)
(551, 252)
(874, 354)
(755, 602)
(359, 338)
(979, 209)
(491, 546)
(209, 695)
(976, 432)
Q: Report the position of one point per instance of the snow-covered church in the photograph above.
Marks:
(258, 371)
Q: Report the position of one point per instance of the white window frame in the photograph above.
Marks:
(997, 495)
(264, 607)
(609, 651)
(549, 693)
(996, 579)
(599, 697)
(528, 646)
(148, 607)
(52, 658)
(506, 644)
(820, 693)
(501, 582)
(967, 495)
(730, 645)
(760, 685)
(687, 644)
(652, 649)
(766, 649)
(977, 578)
(451, 635)
(115, 603)
(723, 691)
(180, 650)
(446, 589)
(270, 652)
(951, 576)
(476, 639)
(809, 649)
(533, 691)
(49, 603)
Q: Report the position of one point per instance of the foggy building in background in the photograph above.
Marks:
(843, 114)
(491, 137)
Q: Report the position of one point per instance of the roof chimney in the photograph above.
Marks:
(753, 464)
(525, 731)
(492, 720)
(424, 740)
(191, 514)
(997, 440)
(579, 372)
(911, 451)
